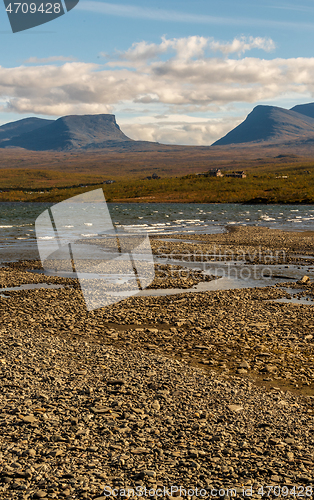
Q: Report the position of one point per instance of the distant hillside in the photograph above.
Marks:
(78, 132)
(305, 109)
(279, 130)
(13, 129)
(270, 124)
(71, 132)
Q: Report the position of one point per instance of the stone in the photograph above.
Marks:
(245, 365)
(276, 479)
(305, 279)
(116, 382)
(29, 419)
(155, 405)
(194, 465)
(235, 408)
(289, 440)
(150, 473)
(40, 494)
(193, 453)
(100, 410)
(139, 451)
(241, 371)
(270, 368)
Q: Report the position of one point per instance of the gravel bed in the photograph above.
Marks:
(207, 390)
(77, 417)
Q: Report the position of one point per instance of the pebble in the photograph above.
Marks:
(29, 419)
(40, 494)
(244, 364)
(235, 408)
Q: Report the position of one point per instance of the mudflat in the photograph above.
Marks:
(211, 390)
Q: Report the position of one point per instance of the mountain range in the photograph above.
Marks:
(265, 126)
(74, 132)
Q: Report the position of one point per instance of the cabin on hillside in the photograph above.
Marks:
(240, 174)
(154, 176)
(215, 172)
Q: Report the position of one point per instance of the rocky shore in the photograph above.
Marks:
(209, 390)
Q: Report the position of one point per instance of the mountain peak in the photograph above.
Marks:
(13, 129)
(70, 132)
(81, 131)
(270, 124)
(304, 109)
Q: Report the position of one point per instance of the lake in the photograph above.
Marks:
(17, 220)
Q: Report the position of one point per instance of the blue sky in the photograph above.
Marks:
(175, 72)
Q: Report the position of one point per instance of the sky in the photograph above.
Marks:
(176, 72)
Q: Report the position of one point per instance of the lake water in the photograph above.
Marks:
(17, 221)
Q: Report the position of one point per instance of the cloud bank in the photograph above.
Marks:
(193, 77)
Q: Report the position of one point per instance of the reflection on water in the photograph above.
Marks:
(308, 301)
(229, 279)
(217, 284)
(295, 296)
(228, 276)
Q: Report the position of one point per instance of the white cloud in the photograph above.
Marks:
(36, 60)
(178, 129)
(189, 48)
(176, 78)
(243, 44)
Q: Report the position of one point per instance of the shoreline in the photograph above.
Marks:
(148, 199)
